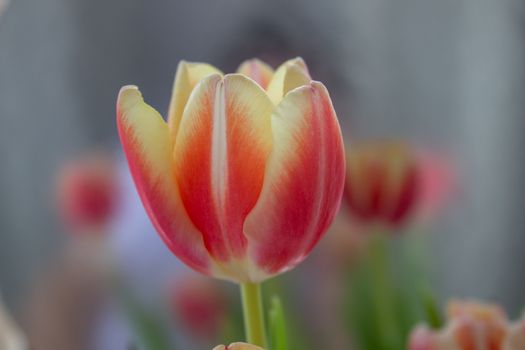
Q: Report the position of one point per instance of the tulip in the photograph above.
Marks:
(471, 326)
(390, 184)
(247, 173)
(240, 182)
(382, 183)
(474, 316)
(237, 346)
(87, 193)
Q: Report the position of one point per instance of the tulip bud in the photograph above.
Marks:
(87, 193)
(382, 183)
(241, 182)
(199, 305)
(390, 184)
(237, 346)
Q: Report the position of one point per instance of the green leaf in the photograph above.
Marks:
(277, 325)
(432, 312)
(383, 301)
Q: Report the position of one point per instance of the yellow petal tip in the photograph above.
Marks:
(317, 85)
(298, 60)
(128, 96)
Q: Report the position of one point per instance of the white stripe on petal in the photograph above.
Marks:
(219, 149)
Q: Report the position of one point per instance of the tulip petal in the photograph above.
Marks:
(220, 157)
(146, 141)
(290, 75)
(187, 76)
(257, 70)
(303, 183)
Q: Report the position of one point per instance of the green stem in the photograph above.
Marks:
(253, 314)
(385, 310)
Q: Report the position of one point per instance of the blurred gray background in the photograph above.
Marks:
(445, 74)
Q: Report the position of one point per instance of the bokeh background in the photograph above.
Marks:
(446, 75)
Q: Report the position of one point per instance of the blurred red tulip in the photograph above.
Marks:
(382, 182)
(199, 305)
(87, 193)
(391, 184)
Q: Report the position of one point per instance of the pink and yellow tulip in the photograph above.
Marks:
(248, 171)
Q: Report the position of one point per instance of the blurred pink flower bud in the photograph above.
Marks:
(87, 192)
(199, 305)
